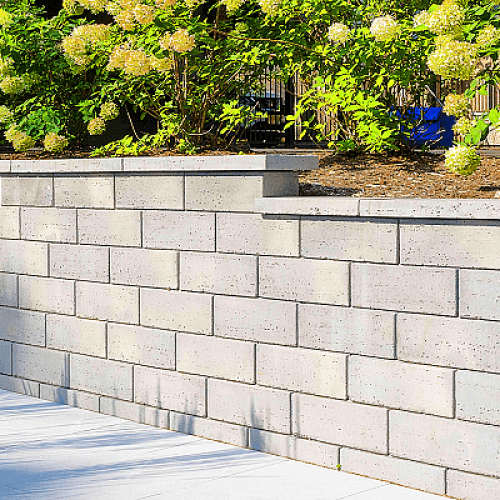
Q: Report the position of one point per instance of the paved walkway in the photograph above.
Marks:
(54, 452)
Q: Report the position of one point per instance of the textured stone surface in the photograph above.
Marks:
(10, 220)
(47, 294)
(84, 192)
(49, 224)
(5, 358)
(26, 327)
(24, 257)
(34, 191)
(472, 487)
(81, 262)
(479, 294)
(307, 205)
(21, 386)
(66, 165)
(8, 290)
(136, 413)
(70, 397)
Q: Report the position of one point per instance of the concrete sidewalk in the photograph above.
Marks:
(54, 452)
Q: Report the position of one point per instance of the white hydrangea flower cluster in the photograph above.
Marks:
(488, 36)
(338, 33)
(446, 18)
(144, 14)
(453, 59)
(82, 40)
(385, 28)
(13, 85)
(130, 13)
(456, 105)
(136, 62)
(192, 4)
(462, 159)
(164, 4)
(463, 126)
(96, 126)
(5, 114)
(420, 19)
(6, 18)
(94, 6)
(126, 20)
(232, 5)
(55, 143)
(179, 41)
(162, 65)
(73, 7)
(6, 66)
(19, 139)
(270, 7)
(109, 111)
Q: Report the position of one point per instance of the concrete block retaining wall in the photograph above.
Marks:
(202, 295)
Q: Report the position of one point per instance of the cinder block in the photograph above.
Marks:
(84, 192)
(404, 288)
(143, 346)
(302, 370)
(458, 343)
(13, 384)
(155, 268)
(10, 222)
(255, 234)
(170, 390)
(5, 357)
(479, 294)
(404, 472)
(150, 191)
(82, 336)
(347, 239)
(305, 280)
(446, 442)
(261, 320)
(478, 397)
(66, 165)
(304, 450)
(355, 331)
(340, 422)
(110, 227)
(136, 413)
(237, 193)
(40, 364)
(81, 262)
(8, 290)
(101, 376)
(48, 224)
(215, 357)
(24, 257)
(219, 273)
(210, 429)
(69, 397)
(173, 310)
(26, 327)
(35, 191)
(179, 230)
(395, 384)
(47, 294)
(454, 243)
(249, 405)
(472, 487)
(107, 302)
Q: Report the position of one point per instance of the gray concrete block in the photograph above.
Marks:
(179, 230)
(216, 357)
(70, 397)
(26, 327)
(304, 450)
(142, 346)
(253, 406)
(404, 288)
(67, 165)
(254, 234)
(8, 290)
(40, 364)
(136, 413)
(302, 370)
(24, 257)
(81, 262)
(150, 192)
(395, 384)
(101, 376)
(308, 205)
(456, 243)
(81, 336)
(107, 302)
(478, 397)
(10, 222)
(47, 294)
(471, 486)
(48, 224)
(210, 429)
(403, 472)
(13, 384)
(84, 192)
(5, 357)
(340, 422)
(355, 331)
(347, 239)
(4, 165)
(173, 310)
(261, 320)
(479, 294)
(154, 268)
(34, 191)
(305, 280)
(110, 227)
(218, 273)
(237, 193)
(442, 441)
(459, 343)
(170, 390)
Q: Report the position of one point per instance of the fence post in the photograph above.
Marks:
(290, 110)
